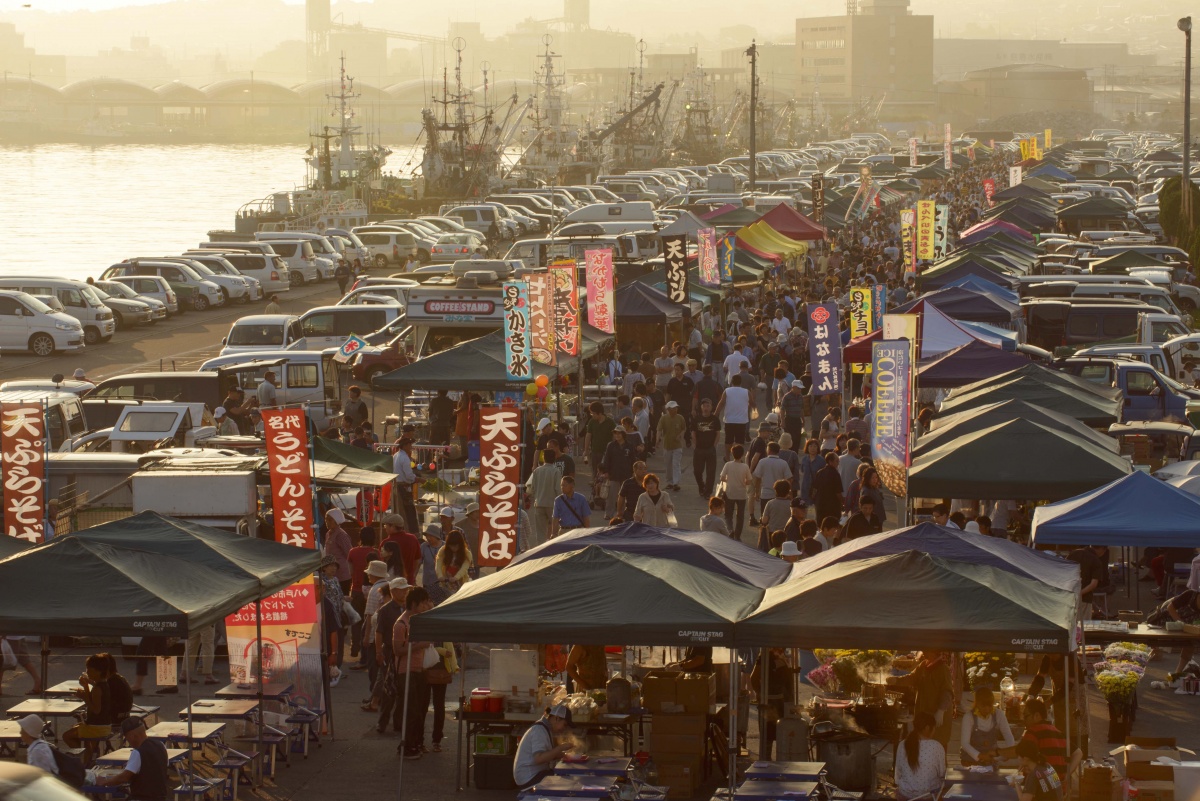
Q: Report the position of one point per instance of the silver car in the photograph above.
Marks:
(117, 289)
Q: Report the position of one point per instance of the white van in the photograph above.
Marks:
(299, 261)
(27, 324)
(303, 377)
(78, 299)
(271, 272)
(262, 331)
(636, 211)
(324, 267)
(322, 247)
(330, 326)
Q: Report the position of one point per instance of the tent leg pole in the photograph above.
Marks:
(258, 637)
(188, 669)
(733, 720)
(764, 750)
(404, 728)
(45, 663)
(462, 708)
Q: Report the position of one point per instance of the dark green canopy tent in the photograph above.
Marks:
(9, 546)
(1122, 262)
(593, 596)
(1015, 460)
(478, 365)
(330, 450)
(913, 601)
(273, 565)
(73, 586)
(1093, 207)
(1050, 389)
(951, 426)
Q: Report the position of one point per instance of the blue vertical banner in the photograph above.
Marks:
(891, 366)
(878, 305)
(825, 348)
(518, 357)
(728, 248)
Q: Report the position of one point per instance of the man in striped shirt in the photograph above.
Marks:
(1050, 741)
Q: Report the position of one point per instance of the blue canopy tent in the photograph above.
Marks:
(1050, 171)
(704, 549)
(949, 542)
(960, 303)
(979, 284)
(972, 362)
(1002, 337)
(1137, 510)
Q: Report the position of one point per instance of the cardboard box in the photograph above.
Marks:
(696, 692)
(1099, 783)
(662, 744)
(1139, 750)
(658, 688)
(1191, 628)
(1152, 782)
(679, 724)
(682, 779)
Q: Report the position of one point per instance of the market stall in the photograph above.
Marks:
(951, 426)
(1050, 389)
(1116, 514)
(960, 303)
(967, 364)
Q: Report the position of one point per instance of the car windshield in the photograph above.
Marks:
(202, 268)
(256, 335)
(117, 288)
(89, 293)
(36, 305)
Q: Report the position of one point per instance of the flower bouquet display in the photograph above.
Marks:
(989, 669)
(1117, 677)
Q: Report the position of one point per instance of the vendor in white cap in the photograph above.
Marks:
(80, 375)
(446, 517)
(790, 552)
(537, 754)
(37, 751)
(546, 433)
(225, 425)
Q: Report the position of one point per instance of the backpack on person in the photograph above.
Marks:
(120, 696)
(70, 767)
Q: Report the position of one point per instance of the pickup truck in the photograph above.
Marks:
(1148, 394)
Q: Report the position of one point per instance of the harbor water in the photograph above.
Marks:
(72, 210)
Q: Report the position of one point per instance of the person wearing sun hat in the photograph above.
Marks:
(38, 752)
(536, 753)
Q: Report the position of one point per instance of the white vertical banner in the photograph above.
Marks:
(947, 150)
(1014, 176)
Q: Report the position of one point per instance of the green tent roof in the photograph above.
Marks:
(1092, 207)
(1087, 404)
(1123, 261)
(594, 596)
(330, 450)
(951, 426)
(915, 601)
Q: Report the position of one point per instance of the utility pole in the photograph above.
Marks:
(1185, 201)
(753, 53)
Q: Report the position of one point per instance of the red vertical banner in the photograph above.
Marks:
(23, 443)
(541, 318)
(291, 481)
(989, 189)
(565, 287)
(598, 272)
(499, 475)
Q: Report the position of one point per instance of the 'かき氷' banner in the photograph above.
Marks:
(23, 443)
(541, 319)
(710, 273)
(598, 273)
(499, 475)
(286, 432)
(517, 349)
(675, 255)
(926, 214)
(824, 348)
(566, 306)
(891, 364)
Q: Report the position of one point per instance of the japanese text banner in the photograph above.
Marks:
(861, 318)
(926, 212)
(710, 274)
(499, 474)
(598, 272)
(564, 281)
(286, 432)
(23, 438)
(728, 249)
(825, 348)
(541, 321)
(517, 350)
(675, 255)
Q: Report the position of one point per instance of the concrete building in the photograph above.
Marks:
(17, 59)
(954, 58)
(776, 64)
(1015, 89)
(883, 53)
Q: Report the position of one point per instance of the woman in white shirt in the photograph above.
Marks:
(654, 508)
(985, 730)
(920, 761)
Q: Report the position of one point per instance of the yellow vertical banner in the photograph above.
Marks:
(1047, 137)
(1024, 143)
(861, 319)
(926, 213)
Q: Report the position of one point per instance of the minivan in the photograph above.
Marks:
(78, 299)
(234, 285)
(187, 284)
(151, 286)
(180, 386)
(387, 247)
(302, 264)
(322, 247)
(64, 413)
(303, 377)
(27, 324)
(271, 272)
(262, 332)
(1057, 323)
(329, 326)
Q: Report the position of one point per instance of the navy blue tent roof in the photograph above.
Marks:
(704, 549)
(971, 362)
(1051, 171)
(1136, 510)
(939, 276)
(979, 284)
(961, 303)
(949, 542)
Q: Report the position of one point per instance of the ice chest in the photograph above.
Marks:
(494, 772)
(785, 771)
(766, 790)
(598, 787)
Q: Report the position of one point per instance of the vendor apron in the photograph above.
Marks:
(983, 741)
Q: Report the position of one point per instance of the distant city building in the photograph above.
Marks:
(1015, 89)
(954, 58)
(883, 54)
(18, 59)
